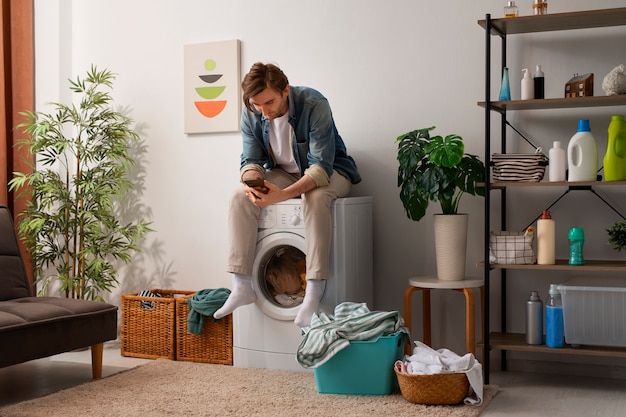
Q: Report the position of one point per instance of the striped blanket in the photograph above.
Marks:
(330, 334)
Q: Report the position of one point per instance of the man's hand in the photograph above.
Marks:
(267, 196)
(256, 189)
(261, 198)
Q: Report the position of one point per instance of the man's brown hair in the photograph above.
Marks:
(260, 77)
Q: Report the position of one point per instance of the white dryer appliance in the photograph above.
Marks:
(264, 334)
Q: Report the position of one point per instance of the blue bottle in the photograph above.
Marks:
(554, 319)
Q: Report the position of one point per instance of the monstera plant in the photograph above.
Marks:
(437, 169)
(83, 162)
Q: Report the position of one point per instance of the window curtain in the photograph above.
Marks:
(17, 85)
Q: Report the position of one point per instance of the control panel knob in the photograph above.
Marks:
(295, 220)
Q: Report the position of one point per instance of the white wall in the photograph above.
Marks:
(386, 68)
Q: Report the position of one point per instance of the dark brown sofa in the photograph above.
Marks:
(37, 327)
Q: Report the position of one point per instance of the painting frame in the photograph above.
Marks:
(212, 87)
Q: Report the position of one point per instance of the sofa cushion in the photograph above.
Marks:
(35, 311)
(13, 280)
(12, 283)
(36, 327)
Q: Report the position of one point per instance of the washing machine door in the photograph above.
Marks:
(279, 274)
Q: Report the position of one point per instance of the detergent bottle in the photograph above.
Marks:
(615, 156)
(554, 318)
(576, 239)
(582, 154)
(546, 239)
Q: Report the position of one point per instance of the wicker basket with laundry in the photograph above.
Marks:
(439, 377)
(434, 388)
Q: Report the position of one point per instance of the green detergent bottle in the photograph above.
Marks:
(615, 156)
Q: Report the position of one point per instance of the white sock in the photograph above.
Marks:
(241, 294)
(311, 303)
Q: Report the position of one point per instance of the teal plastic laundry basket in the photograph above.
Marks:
(363, 368)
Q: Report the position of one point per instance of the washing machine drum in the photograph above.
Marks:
(279, 274)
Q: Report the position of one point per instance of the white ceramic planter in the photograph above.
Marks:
(450, 246)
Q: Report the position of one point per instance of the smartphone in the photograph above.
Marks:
(257, 183)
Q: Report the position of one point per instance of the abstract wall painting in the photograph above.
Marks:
(212, 87)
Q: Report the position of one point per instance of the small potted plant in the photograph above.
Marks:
(437, 169)
(617, 236)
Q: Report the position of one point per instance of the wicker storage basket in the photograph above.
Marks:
(214, 345)
(434, 389)
(149, 324)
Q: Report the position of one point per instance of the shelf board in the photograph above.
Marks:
(557, 103)
(499, 185)
(563, 265)
(517, 342)
(558, 21)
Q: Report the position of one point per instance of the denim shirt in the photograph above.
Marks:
(316, 140)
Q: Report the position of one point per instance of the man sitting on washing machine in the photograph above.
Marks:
(291, 146)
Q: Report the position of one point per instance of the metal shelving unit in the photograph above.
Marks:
(531, 24)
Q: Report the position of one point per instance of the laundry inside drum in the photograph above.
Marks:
(284, 273)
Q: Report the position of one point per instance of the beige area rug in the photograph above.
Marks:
(172, 388)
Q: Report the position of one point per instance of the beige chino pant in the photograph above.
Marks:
(243, 224)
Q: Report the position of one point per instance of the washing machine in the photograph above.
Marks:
(264, 334)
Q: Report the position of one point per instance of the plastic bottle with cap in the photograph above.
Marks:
(528, 86)
(615, 156)
(576, 239)
(534, 319)
(557, 166)
(582, 154)
(539, 82)
(554, 318)
(546, 237)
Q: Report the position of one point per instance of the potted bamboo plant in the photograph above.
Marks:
(437, 169)
(83, 162)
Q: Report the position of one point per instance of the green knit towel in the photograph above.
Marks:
(202, 304)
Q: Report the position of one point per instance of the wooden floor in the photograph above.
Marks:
(44, 376)
(521, 393)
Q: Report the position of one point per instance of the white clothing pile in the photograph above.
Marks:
(426, 361)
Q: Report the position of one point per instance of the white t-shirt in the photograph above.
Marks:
(281, 134)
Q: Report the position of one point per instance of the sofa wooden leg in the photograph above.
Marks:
(96, 360)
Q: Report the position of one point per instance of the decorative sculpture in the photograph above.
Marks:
(614, 82)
